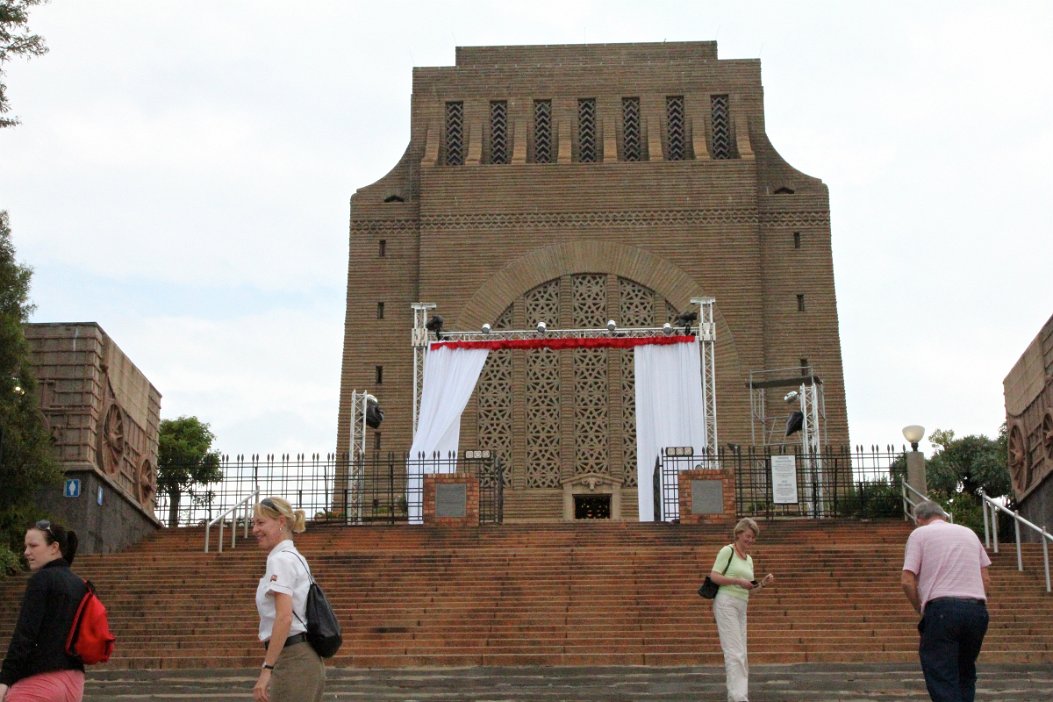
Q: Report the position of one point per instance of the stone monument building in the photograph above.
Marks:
(1029, 427)
(574, 185)
(104, 418)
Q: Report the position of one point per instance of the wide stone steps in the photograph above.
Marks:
(793, 683)
(552, 594)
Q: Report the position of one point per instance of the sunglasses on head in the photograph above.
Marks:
(45, 525)
(269, 504)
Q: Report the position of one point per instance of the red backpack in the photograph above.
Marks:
(90, 638)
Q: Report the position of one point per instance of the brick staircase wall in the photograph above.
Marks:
(549, 594)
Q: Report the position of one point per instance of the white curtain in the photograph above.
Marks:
(450, 376)
(669, 409)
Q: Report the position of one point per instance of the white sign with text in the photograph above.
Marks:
(784, 480)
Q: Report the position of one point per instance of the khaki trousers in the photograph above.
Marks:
(299, 675)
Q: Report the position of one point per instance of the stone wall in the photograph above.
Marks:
(104, 418)
(1029, 423)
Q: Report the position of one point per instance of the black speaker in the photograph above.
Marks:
(794, 422)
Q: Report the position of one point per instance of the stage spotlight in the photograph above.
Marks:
(541, 327)
(435, 325)
(667, 328)
(686, 318)
(611, 326)
(794, 422)
(487, 328)
(791, 397)
(374, 414)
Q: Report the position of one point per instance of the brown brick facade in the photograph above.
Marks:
(708, 208)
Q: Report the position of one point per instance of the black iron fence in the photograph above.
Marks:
(388, 489)
(329, 488)
(789, 482)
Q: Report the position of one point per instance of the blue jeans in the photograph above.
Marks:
(952, 631)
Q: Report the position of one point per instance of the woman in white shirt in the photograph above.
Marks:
(292, 671)
(733, 572)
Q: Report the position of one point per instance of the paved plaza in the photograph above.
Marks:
(771, 683)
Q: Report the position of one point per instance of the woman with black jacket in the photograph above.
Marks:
(36, 667)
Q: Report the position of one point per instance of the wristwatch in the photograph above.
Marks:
(266, 666)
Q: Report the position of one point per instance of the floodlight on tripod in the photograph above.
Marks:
(685, 319)
(435, 325)
(795, 422)
(374, 413)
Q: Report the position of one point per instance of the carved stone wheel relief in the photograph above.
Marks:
(146, 483)
(1047, 434)
(1019, 459)
(110, 443)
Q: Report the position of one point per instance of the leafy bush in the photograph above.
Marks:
(10, 563)
(875, 499)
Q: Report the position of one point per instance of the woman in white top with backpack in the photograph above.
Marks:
(733, 572)
(292, 671)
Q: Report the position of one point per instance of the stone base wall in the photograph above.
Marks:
(105, 518)
(1037, 509)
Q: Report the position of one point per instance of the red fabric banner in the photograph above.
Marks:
(602, 342)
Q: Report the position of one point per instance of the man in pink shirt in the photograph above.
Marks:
(945, 578)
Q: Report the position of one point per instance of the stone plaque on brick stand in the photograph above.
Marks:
(707, 496)
(451, 500)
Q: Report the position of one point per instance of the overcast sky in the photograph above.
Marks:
(182, 173)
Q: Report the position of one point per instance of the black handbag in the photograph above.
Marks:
(708, 588)
(323, 629)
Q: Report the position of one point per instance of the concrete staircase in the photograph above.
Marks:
(584, 594)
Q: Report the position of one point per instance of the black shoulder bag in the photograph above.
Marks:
(323, 629)
(708, 588)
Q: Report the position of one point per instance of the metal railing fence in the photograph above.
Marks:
(860, 483)
(909, 494)
(835, 482)
(320, 485)
(245, 508)
(991, 533)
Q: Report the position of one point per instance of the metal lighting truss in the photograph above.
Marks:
(808, 396)
(356, 488)
(705, 332)
(419, 340)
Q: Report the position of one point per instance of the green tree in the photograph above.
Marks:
(26, 461)
(963, 466)
(185, 458)
(960, 467)
(16, 40)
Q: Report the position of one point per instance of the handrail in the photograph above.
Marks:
(991, 528)
(247, 502)
(909, 504)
